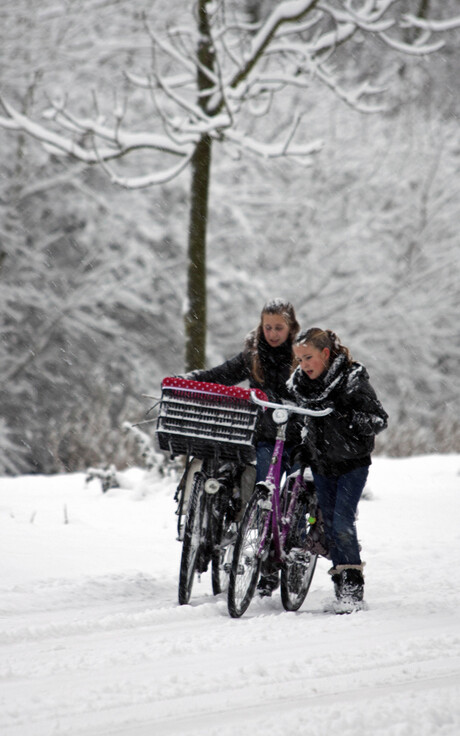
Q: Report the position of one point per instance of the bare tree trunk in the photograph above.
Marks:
(195, 316)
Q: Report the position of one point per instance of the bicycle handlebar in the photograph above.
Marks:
(294, 409)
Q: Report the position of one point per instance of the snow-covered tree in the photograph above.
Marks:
(362, 240)
(208, 76)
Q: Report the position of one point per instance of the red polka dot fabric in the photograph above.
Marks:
(212, 388)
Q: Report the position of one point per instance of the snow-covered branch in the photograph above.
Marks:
(285, 12)
(354, 96)
(411, 49)
(371, 21)
(290, 48)
(274, 150)
(121, 142)
(52, 141)
(148, 180)
(177, 80)
(293, 15)
(449, 24)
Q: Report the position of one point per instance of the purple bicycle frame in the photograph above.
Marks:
(272, 484)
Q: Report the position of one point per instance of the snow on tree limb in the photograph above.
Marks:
(353, 96)
(274, 150)
(145, 82)
(141, 182)
(412, 21)
(123, 143)
(52, 141)
(347, 19)
(289, 10)
(373, 21)
(411, 49)
(246, 71)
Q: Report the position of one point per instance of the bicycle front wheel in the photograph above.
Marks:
(193, 535)
(299, 565)
(296, 577)
(247, 555)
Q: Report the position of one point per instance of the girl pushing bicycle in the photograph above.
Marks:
(266, 361)
(220, 474)
(337, 447)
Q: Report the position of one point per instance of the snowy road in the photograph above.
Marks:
(92, 641)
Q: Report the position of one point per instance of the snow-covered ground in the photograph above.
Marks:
(93, 642)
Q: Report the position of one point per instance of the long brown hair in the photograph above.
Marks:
(321, 339)
(285, 310)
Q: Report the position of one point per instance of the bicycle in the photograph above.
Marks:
(280, 524)
(213, 426)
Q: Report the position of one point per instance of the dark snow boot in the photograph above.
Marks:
(336, 579)
(349, 589)
(267, 584)
(335, 573)
(269, 578)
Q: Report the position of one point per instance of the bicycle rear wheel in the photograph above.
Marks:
(299, 566)
(296, 578)
(247, 556)
(194, 534)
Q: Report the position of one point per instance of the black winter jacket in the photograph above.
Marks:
(276, 364)
(343, 440)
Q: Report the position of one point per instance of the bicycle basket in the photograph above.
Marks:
(207, 419)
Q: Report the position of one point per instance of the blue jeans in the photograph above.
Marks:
(338, 498)
(264, 452)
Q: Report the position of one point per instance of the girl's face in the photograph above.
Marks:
(275, 328)
(313, 362)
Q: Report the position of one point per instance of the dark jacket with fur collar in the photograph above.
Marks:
(343, 440)
(277, 366)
